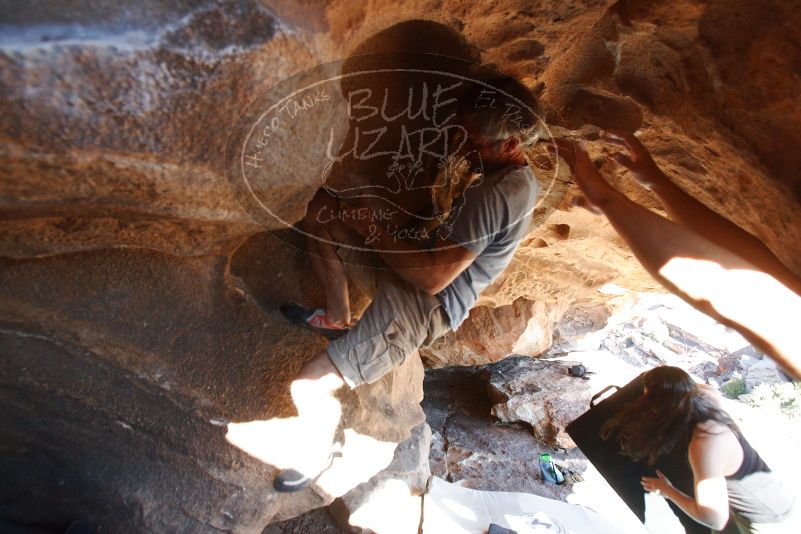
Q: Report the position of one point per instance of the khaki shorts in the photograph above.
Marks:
(400, 320)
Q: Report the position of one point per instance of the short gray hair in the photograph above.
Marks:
(503, 107)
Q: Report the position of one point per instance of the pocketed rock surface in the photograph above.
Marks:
(133, 321)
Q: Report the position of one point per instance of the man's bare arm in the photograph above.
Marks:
(429, 270)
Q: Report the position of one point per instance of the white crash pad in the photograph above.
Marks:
(449, 508)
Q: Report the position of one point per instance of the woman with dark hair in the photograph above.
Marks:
(735, 490)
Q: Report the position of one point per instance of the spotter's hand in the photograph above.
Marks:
(658, 486)
(638, 160)
(596, 189)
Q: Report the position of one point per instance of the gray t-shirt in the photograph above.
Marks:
(495, 216)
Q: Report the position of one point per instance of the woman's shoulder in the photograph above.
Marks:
(710, 394)
(715, 446)
(712, 435)
(711, 429)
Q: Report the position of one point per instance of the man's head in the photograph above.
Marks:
(502, 118)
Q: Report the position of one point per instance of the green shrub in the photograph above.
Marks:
(733, 388)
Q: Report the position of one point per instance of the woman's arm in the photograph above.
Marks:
(694, 215)
(711, 503)
(707, 276)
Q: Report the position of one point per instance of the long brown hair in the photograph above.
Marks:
(664, 416)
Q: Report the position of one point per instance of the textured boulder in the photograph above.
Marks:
(138, 301)
(540, 394)
(491, 334)
(114, 122)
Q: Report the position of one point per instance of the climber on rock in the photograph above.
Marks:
(427, 290)
(705, 259)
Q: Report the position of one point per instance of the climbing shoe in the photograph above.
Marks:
(292, 480)
(315, 320)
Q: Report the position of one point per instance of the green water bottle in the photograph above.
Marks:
(549, 472)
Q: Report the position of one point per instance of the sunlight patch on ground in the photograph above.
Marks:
(391, 509)
(278, 442)
(453, 509)
(362, 457)
(295, 443)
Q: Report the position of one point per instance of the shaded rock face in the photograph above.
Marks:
(125, 326)
(318, 520)
(118, 398)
